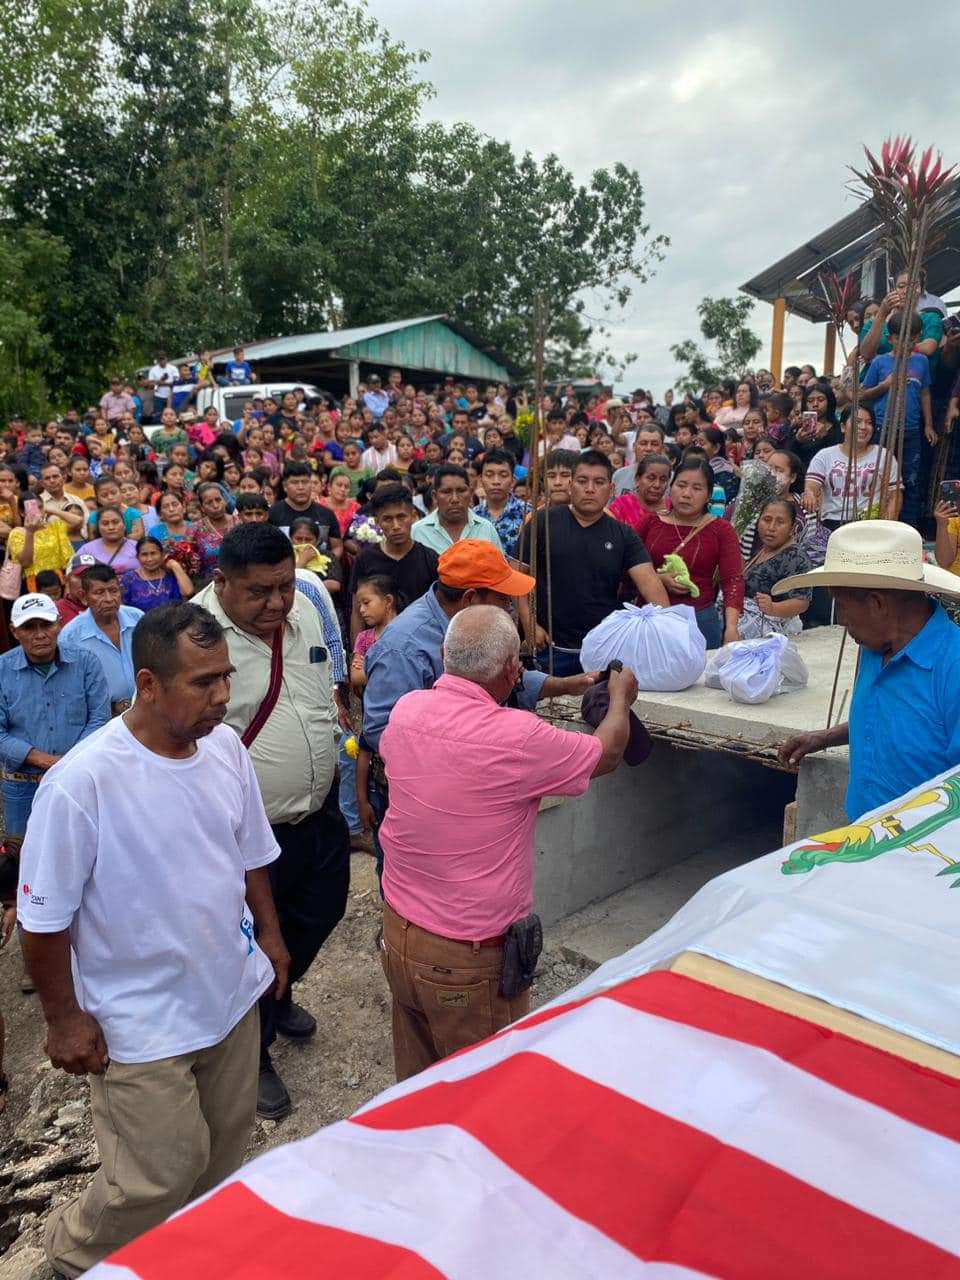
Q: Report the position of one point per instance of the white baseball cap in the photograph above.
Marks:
(33, 605)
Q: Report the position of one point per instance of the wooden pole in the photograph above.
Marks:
(776, 339)
(829, 349)
(535, 463)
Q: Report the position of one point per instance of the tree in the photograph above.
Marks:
(724, 322)
(27, 258)
(218, 170)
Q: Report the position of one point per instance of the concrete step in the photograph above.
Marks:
(608, 928)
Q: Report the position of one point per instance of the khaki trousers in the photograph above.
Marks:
(446, 994)
(167, 1131)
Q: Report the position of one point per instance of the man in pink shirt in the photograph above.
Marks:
(466, 778)
(115, 402)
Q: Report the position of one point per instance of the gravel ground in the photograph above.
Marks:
(46, 1141)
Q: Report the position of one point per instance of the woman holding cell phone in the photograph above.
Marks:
(947, 515)
(818, 427)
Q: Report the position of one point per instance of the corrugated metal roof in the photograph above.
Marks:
(336, 340)
(844, 248)
(276, 348)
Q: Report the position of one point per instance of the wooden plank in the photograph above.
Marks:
(776, 996)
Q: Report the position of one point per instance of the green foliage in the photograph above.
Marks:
(724, 322)
(210, 172)
(28, 260)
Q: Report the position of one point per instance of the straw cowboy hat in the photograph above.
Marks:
(876, 553)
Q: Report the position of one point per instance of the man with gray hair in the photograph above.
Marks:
(466, 778)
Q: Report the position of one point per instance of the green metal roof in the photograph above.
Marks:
(432, 343)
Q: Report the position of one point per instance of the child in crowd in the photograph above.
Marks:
(877, 382)
(49, 583)
(377, 600)
(306, 538)
(252, 508)
(352, 466)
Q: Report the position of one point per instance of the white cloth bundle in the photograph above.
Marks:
(754, 670)
(664, 648)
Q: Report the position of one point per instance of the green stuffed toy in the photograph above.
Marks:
(675, 564)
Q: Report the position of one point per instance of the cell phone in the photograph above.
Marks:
(808, 420)
(950, 492)
(31, 508)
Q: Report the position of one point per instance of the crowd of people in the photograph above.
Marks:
(283, 621)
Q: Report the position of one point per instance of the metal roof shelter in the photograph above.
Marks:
(851, 246)
(433, 345)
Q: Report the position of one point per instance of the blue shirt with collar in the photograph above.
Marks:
(905, 716)
(406, 657)
(378, 402)
(331, 627)
(49, 710)
(432, 534)
(117, 664)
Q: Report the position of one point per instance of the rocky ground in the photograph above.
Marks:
(47, 1150)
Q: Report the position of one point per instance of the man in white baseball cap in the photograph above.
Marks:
(904, 724)
(48, 702)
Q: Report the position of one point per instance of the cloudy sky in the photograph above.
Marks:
(740, 116)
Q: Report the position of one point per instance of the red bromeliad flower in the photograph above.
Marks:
(905, 192)
(922, 180)
(838, 295)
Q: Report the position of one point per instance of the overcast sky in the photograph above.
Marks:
(740, 116)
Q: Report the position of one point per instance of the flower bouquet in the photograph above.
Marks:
(364, 529)
(187, 555)
(758, 485)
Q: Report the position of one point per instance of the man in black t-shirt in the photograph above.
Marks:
(590, 554)
(412, 566)
(297, 478)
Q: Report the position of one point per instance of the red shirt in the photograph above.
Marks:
(714, 547)
(68, 609)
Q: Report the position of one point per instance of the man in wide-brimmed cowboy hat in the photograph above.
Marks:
(904, 724)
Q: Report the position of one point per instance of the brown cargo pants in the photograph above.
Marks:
(445, 994)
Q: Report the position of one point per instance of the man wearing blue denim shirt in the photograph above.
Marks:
(105, 631)
(48, 702)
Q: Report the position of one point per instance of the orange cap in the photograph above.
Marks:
(473, 563)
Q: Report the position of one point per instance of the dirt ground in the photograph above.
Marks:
(47, 1150)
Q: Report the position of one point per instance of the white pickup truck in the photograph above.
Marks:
(229, 401)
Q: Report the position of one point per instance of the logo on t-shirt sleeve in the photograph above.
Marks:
(246, 928)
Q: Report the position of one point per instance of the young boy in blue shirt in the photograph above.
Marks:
(239, 372)
(919, 412)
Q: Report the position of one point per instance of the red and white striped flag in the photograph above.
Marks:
(661, 1128)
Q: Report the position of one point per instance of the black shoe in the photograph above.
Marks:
(273, 1101)
(294, 1022)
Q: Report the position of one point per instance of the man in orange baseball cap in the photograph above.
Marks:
(409, 653)
(480, 566)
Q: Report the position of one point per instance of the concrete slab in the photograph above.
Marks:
(713, 777)
(607, 929)
(714, 714)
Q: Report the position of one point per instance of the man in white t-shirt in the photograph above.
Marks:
(160, 1008)
(160, 380)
